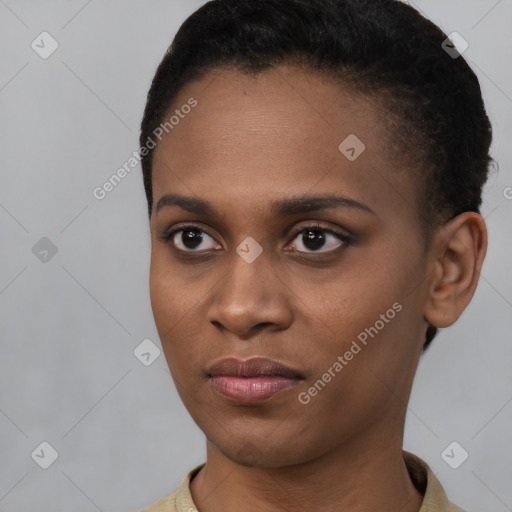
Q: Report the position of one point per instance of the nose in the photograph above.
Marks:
(251, 297)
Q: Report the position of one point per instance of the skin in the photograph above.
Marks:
(251, 141)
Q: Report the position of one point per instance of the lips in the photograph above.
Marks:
(253, 367)
(253, 380)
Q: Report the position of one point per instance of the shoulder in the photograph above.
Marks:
(167, 504)
(178, 501)
(434, 496)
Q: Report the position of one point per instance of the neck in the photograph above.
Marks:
(369, 476)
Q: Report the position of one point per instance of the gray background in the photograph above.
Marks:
(69, 326)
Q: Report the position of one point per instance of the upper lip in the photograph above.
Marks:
(252, 367)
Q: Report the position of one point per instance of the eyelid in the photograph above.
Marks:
(168, 234)
(345, 238)
(320, 226)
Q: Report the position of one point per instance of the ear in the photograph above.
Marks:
(457, 254)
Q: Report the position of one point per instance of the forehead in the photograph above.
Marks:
(284, 131)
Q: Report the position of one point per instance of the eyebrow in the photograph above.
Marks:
(294, 205)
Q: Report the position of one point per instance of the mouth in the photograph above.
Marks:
(251, 381)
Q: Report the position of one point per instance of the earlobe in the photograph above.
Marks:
(457, 254)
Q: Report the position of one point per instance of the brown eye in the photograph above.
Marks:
(190, 239)
(314, 238)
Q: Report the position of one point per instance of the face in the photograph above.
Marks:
(246, 266)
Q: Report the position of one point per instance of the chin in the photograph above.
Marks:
(252, 455)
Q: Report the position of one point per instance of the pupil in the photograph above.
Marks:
(314, 239)
(191, 239)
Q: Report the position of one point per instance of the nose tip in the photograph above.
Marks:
(240, 327)
(249, 300)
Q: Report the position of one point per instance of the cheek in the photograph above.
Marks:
(160, 291)
(177, 302)
(169, 302)
(372, 313)
(353, 299)
(170, 293)
(372, 379)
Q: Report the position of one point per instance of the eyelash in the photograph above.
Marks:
(166, 238)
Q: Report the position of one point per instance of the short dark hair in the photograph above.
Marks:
(380, 48)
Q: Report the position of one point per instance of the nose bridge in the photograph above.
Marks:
(249, 294)
(245, 284)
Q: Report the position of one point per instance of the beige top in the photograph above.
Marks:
(434, 497)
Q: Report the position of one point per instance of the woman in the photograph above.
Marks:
(313, 170)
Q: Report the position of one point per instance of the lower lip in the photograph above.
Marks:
(251, 390)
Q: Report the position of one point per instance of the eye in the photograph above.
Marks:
(315, 237)
(190, 239)
(311, 239)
